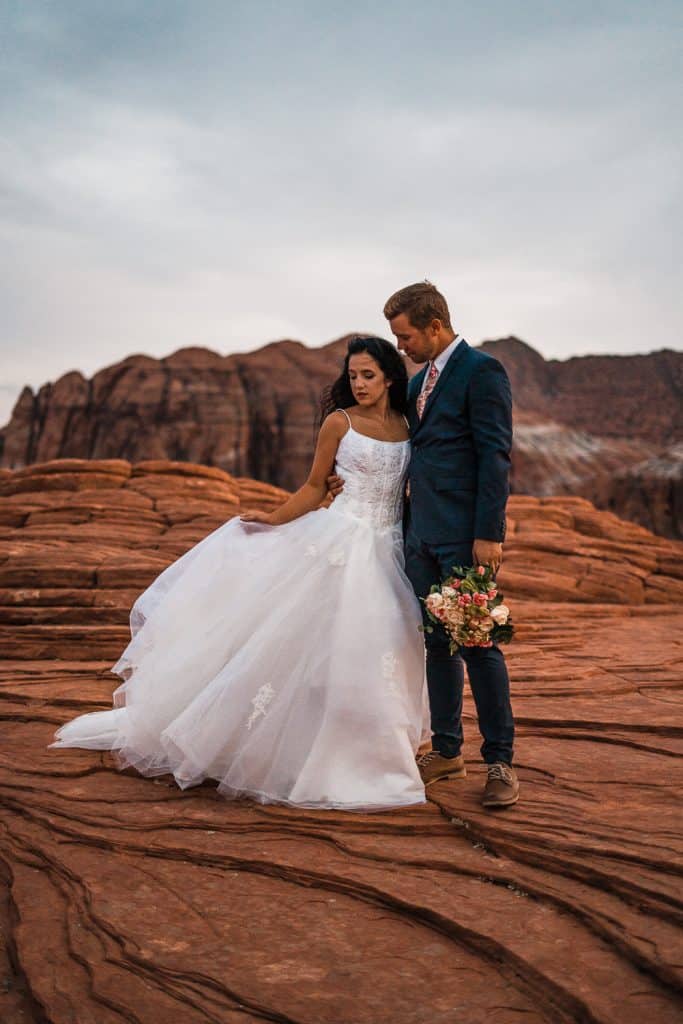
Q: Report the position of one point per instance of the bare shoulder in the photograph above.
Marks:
(329, 437)
(400, 425)
(334, 425)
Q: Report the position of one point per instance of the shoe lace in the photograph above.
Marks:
(426, 759)
(500, 771)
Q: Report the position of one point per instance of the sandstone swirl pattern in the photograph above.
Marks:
(125, 899)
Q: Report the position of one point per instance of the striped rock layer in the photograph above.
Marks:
(125, 899)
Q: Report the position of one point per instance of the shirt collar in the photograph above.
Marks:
(443, 358)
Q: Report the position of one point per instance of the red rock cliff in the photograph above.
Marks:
(597, 426)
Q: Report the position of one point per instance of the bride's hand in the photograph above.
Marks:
(257, 517)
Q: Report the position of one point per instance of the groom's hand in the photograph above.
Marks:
(488, 552)
(335, 485)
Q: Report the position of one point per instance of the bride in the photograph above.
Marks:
(281, 655)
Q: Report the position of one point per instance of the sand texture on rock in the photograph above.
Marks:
(127, 900)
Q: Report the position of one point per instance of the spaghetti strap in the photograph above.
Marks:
(346, 414)
(405, 420)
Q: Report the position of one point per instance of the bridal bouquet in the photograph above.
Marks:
(470, 608)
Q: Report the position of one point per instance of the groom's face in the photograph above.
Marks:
(418, 344)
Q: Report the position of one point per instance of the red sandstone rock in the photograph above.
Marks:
(83, 539)
(582, 426)
(126, 898)
(634, 397)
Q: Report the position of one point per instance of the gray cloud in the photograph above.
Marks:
(225, 174)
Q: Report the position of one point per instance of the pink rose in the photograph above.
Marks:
(456, 583)
(465, 599)
(480, 599)
(492, 594)
(481, 570)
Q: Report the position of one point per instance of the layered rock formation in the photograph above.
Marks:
(650, 492)
(126, 899)
(250, 414)
(607, 428)
(596, 426)
(621, 397)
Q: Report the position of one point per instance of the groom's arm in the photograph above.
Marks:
(491, 424)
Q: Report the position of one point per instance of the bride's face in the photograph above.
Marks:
(368, 382)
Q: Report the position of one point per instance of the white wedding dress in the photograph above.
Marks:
(285, 662)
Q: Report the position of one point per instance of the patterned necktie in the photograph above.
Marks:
(427, 389)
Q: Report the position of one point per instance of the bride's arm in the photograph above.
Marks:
(308, 497)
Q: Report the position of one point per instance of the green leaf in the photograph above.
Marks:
(502, 634)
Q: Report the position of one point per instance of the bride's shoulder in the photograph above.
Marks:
(336, 423)
(401, 424)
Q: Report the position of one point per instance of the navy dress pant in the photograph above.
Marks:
(427, 564)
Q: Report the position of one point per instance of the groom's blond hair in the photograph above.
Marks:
(421, 303)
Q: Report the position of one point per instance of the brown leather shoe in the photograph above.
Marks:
(433, 767)
(502, 787)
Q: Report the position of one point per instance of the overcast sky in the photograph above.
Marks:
(227, 174)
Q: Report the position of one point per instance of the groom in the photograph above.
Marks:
(460, 418)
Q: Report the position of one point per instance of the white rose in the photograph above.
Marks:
(434, 601)
(449, 592)
(501, 614)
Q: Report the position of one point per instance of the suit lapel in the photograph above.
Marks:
(441, 381)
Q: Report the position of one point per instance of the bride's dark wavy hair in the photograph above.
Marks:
(339, 394)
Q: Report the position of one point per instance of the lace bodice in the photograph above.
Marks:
(374, 474)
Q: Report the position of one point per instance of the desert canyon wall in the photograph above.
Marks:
(608, 428)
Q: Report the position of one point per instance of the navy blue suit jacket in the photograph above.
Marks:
(460, 463)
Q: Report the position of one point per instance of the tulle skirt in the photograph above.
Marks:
(284, 662)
